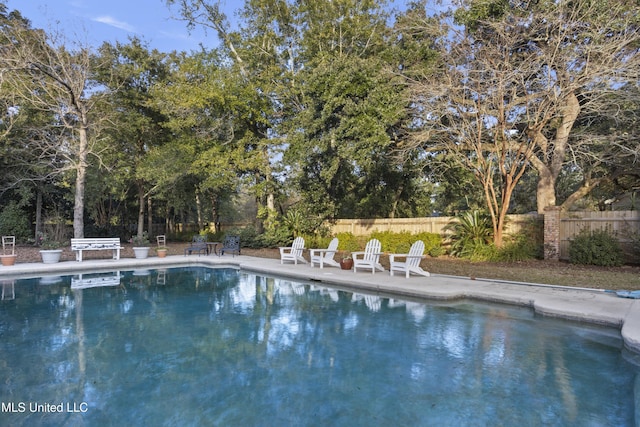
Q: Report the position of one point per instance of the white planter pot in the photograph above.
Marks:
(141, 253)
(50, 256)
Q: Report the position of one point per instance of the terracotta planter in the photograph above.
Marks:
(8, 259)
(346, 264)
(162, 253)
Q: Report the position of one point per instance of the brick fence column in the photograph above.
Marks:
(552, 233)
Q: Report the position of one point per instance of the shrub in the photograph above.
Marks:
(436, 251)
(635, 246)
(178, 236)
(142, 240)
(317, 241)
(276, 237)
(482, 252)
(15, 222)
(249, 238)
(517, 250)
(398, 243)
(401, 242)
(432, 243)
(527, 244)
(348, 242)
(598, 247)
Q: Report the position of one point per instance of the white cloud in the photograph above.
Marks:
(109, 20)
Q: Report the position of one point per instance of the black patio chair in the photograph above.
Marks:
(198, 244)
(230, 244)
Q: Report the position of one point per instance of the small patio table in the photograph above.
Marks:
(212, 247)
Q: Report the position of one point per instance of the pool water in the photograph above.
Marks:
(199, 346)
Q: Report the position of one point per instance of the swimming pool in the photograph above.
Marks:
(200, 346)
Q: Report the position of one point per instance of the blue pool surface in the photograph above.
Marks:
(200, 346)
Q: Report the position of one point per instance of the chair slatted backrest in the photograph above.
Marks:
(9, 242)
(297, 246)
(415, 254)
(331, 249)
(162, 240)
(372, 250)
(231, 244)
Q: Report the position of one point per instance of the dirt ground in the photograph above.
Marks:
(534, 271)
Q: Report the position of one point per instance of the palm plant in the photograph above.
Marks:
(294, 221)
(470, 233)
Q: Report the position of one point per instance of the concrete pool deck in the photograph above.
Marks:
(586, 305)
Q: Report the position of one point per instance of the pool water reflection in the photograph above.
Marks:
(199, 346)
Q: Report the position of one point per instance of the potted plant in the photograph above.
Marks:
(346, 263)
(162, 251)
(141, 245)
(50, 251)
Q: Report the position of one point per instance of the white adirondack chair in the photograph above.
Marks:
(411, 264)
(293, 252)
(325, 256)
(369, 258)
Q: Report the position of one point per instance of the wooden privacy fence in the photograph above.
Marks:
(364, 227)
(624, 225)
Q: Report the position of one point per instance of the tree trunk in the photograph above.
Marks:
(215, 214)
(394, 206)
(548, 171)
(199, 211)
(259, 222)
(140, 209)
(270, 200)
(587, 186)
(149, 217)
(168, 222)
(38, 214)
(546, 191)
(81, 178)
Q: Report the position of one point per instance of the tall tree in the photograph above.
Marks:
(45, 75)
(257, 58)
(470, 108)
(342, 138)
(130, 71)
(587, 52)
(200, 101)
(347, 113)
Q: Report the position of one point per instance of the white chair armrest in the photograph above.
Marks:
(392, 257)
(313, 252)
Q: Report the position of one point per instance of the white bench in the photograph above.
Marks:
(96, 244)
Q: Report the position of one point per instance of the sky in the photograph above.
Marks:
(117, 20)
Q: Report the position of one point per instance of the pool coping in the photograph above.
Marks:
(581, 304)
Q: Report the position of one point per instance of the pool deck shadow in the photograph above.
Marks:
(581, 304)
